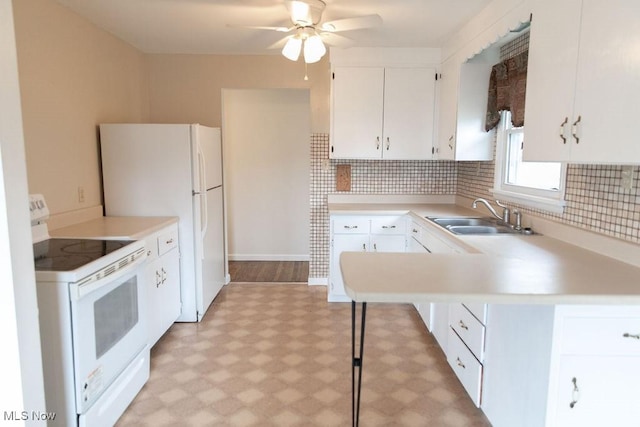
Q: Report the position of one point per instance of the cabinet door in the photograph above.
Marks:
(605, 392)
(409, 96)
(551, 74)
(608, 83)
(356, 127)
(341, 243)
(388, 243)
(168, 293)
(153, 278)
(447, 112)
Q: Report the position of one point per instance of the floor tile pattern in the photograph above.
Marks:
(279, 355)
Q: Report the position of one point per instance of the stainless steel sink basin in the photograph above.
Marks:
(447, 222)
(481, 229)
(474, 225)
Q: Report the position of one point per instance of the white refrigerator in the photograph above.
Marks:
(172, 170)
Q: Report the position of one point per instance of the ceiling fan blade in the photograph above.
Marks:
(355, 23)
(279, 44)
(336, 40)
(259, 27)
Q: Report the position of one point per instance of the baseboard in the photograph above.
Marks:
(318, 281)
(264, 257)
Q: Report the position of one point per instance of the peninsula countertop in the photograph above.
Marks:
(536, 269)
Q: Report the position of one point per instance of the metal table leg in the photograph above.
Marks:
(356, 361)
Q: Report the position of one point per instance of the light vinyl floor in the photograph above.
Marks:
(280, 355)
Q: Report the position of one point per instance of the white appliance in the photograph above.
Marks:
(92, 311)
(172, 170)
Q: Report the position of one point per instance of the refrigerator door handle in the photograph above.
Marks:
(203, 197)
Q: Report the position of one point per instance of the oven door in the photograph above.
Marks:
(109, 331)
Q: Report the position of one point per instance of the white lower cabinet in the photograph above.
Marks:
(163, 281)
(465, 365)
(562, 366)
(355, 233)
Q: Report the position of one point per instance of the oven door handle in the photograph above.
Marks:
(79, 289)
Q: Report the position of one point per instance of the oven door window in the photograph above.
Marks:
(115, 314)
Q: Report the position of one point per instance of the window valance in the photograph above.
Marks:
(507, 89)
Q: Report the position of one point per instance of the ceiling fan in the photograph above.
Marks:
(306, 17)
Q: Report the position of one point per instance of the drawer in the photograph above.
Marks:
(167, 241)
(466, 367)
(350, 225)
(603, 336)
(468, 328)
(479, 310)
(388, 225)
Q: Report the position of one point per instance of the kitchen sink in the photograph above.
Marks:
(463, 222)
(481, 229)
(476, 226)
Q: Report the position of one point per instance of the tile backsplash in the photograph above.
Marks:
(595, 198)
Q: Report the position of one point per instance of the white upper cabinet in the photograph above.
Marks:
(357, 113)
(382, 113)
(463, 106)
(582, 82)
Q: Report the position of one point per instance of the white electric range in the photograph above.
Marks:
(92, 323)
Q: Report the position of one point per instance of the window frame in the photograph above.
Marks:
(546, 200)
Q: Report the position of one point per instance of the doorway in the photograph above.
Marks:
(266, 134)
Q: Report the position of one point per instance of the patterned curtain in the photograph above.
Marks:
(507, 88)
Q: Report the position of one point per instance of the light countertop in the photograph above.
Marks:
(115, 227)
(492, 269)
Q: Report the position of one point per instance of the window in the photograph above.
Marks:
(539, 185)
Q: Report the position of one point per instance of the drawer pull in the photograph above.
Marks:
(350, 227)
(462, 325)
(375, 248)
(170, 241)
(459, 363)
(575, 394)
(364, 248)
(628, 335)
(414, 230)
(390, 226)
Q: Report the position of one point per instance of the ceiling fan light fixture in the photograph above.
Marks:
(292, 48)
(314, 49)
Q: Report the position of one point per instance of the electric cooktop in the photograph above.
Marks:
(71, 254)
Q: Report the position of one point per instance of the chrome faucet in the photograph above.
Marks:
(506, 213)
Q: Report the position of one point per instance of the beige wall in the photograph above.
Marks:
(73, 76)
(266, 155)
(187, 88)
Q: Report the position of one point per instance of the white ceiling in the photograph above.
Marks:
(202, 26)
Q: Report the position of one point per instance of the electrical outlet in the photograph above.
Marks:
(81, 194)
(627, 177)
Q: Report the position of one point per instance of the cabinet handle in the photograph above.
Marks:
(390, 226)
(158, 279)
(628, 335)
(459, 363)
(350, 227)
(164, 275)
(148, 253)
(575, 394)
(375, 248)
(170, 241)
(364, 247)
(451, 142)
(462, 325)
(377, 142)
(388, 143)
(574, 129)
(414, 230)
(562, 129)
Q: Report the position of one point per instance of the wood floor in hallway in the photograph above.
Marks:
(269, 271)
